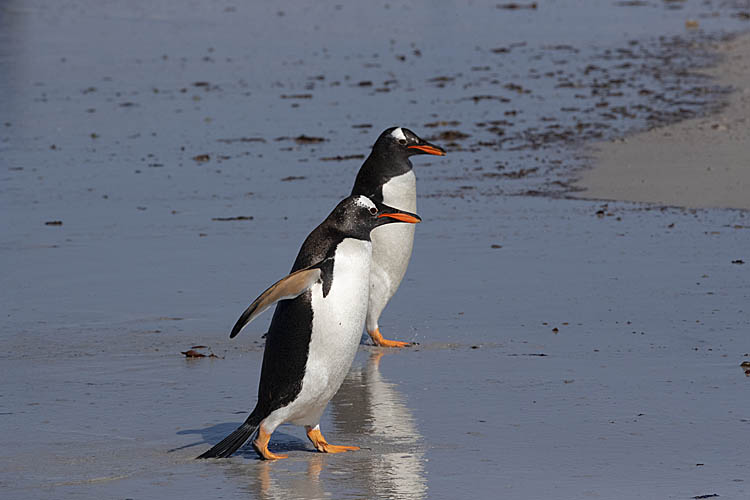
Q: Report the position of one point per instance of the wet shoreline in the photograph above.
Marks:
(695, 163)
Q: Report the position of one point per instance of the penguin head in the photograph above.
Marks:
(402, 142)
(357, 215)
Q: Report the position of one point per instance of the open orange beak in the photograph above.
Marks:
(429, 149)
(402, 217)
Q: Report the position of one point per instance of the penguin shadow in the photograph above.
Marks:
(209, 436)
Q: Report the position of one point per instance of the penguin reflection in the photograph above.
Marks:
(369, 404)
(268, 481)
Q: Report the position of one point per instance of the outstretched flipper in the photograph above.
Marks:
(288, 287)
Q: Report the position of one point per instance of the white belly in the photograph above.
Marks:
(391, 246)
(338, 319)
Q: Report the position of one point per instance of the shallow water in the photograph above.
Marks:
(638, 393)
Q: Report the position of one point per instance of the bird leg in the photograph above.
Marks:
(260, 445)
(320, 443)
(377, 337)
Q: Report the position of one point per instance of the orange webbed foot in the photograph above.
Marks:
(260, 445)
(320, 443)
(379, 340)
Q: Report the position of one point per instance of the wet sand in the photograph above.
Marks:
(696, 163)
(567, 348)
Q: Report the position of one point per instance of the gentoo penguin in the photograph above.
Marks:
(316, 328)
(387, 177)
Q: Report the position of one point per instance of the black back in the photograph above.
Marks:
(285, 354)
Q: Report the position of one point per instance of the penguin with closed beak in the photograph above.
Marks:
(316, 328)
(387, 177)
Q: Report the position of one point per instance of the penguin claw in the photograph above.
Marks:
(379, 340)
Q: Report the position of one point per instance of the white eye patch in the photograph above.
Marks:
(364, 201)
(399, 134)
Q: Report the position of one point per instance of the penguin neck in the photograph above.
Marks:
(321, 244)
(380, 167)
(357, 232)
(388, 164)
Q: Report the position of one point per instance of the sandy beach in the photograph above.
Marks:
(696, 163)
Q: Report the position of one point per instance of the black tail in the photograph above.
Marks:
(232, 442)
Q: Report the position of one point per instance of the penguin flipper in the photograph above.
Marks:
(289, 287)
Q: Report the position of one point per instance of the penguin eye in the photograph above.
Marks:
(402, 142)
(373, 210)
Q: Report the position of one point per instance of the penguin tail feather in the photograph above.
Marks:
(227, 446)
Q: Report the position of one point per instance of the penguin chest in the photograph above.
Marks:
(401, 192)
(338, 319)
(392, 243)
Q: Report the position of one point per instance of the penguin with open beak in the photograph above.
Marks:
(316, 328)
(387, 177)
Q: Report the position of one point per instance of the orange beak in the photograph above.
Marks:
(429, 149)
(402, 217)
